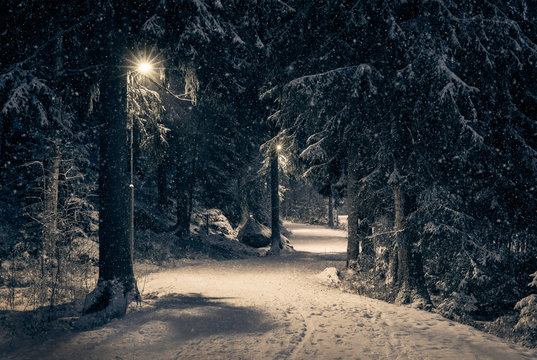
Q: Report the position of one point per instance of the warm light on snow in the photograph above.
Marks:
(317, 239)
(268, 308)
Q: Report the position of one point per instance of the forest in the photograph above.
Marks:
(147, 131)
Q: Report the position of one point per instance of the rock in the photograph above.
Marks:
(253, 233)
(217, 221)
(329, 276)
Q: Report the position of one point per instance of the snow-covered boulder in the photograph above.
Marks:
(329, 276)
(253, 233)
(211, 222)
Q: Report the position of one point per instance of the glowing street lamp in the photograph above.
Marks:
(144, 68)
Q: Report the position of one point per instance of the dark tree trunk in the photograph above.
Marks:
(410, 279)
(331, 210)
(403, 250)
(366, 259)
(242, 192)
(353, 217)
(183, 190)
(116, 285)
(336, 211)
(275, 204)
(182, 206)
(162, 185)
(191, 183)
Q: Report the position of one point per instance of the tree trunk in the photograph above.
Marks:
(242, 192)
(51, 166)
(182, 190)
(366, 259)
(410, 280)
(116, 286)
(331, 210)
(50, 266)
(391, 272)
(352, 226)
(50, 224)
(191, 183)
(7, 125)
(403, 259)
(336, 211)
(162, 185)
(182, 225)
(275, 204)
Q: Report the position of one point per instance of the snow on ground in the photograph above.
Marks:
(317, 238)
(268, 308)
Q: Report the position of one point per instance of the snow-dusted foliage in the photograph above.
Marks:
(26, 94)
(145, 111)
(527, 322)
(442, 94)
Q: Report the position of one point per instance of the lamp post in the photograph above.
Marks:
(145, 65)
(144, 68)
(275, 200)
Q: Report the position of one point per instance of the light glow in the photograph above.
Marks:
(278, 147)
(145, 68)
(144, 62)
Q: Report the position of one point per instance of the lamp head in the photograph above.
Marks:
(144, 68)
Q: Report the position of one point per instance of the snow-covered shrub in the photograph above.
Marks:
(458, 305)
(527, 323)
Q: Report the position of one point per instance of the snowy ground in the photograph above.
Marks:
(268, 308)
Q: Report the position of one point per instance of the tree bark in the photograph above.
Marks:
(116, 286)
(50, 224)
(336, 211)
(182, 225)
(410, 279)
(366, 259)
(352, 225)
(162, 185)
(403, 260)
(275, 204)
(242, 192)
(331, 210)
(182, 190)
(51, 166)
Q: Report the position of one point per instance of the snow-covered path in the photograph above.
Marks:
(271, 308)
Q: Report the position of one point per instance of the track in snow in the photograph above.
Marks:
(271, 308)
